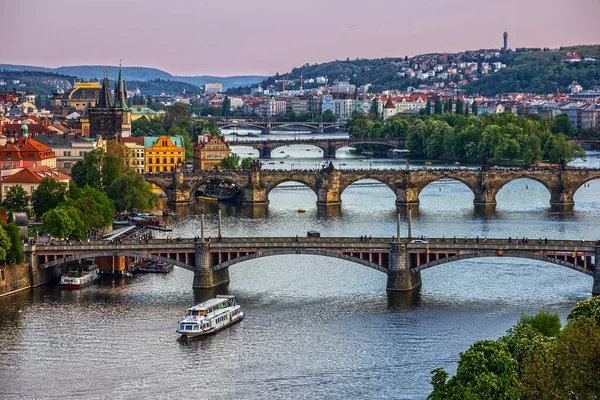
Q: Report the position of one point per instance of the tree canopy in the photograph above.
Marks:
(131, 191)
(48, 195)
(16, 199)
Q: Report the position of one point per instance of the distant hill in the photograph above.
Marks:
(527, 70)
(137, 74)
(43, 83)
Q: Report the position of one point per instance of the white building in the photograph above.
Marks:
(272, 107)
(213, 87)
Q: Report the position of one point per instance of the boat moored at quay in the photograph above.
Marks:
(210, 317)
(80, 275)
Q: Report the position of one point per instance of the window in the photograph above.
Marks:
(149, 169)
(165, 160)
(157, 160)
(172, 160)
(149, 161)
(2, 275)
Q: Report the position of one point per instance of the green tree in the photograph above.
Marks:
(80, 227)
(177, 113)
(589, 308)
(459, 107)
(328, 116)
(226, 107)
(485, 371)
(428, 107)
(562, 124)
(14, 253)
(246, 163)
(97, 209)
(58, 223)
(16, 199)
(474, 108)
(375, 107)
(438, 106)
(230, 162)
(87, 171)
(111, 170)
(545, 323)
(448, 106)
(48, 195)
(130, 191)
(4, 243)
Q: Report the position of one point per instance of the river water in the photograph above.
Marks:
(315, 327)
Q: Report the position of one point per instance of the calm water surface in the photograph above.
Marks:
(315, 327)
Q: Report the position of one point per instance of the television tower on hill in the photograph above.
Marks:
(505, 41)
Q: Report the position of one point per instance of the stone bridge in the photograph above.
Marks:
(267, 126)
(329, 183)
(329, 146)
(402, 260)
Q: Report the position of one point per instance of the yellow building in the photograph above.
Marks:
(163, 153)
(209, 151)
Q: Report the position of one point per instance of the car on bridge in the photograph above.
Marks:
(419, 241)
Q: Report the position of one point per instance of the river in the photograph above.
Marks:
(315, 327)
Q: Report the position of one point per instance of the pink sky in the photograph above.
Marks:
(236, 37)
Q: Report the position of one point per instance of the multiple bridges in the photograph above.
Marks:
(329, 146)
(267, 126)
(402, 260)
(329, 183)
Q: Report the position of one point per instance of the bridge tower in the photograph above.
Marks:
(400, 276)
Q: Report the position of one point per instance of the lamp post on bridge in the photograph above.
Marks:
(409, 221)
(202, 226)
(398, 228)
(220, 225)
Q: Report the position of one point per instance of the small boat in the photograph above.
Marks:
(281, 152)
(167, 212)
(210, 317)
(207, 198)
(281, 162)
(307, 149)
(427, 162)
(158, 267)
(271, 163)
(80, 275)
(361, 160)
(160, 228)
(115, 222)
(456, 163)
(301, 210)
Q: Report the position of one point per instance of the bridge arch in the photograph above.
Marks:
(110, 253)
(505, 254)
(244, 125)
(323, 253)
(350, 180)
(275, 183)
(277, 146)
(521, 187)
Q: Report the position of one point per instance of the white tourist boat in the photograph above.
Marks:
(210, 317)
(80, 275)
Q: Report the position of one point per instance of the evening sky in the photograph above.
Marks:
(235, 37)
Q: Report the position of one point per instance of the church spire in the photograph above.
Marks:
(105, 99)
(120, 91)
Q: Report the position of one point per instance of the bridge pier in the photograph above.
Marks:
(561, 200)
(400, 276)
(407, 197)
(204, 276)
(596, 285)
(255, 192)
(328, 188)
(264, 152)
(330, 152)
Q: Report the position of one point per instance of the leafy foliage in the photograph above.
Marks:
(58, 223)
(454, 136)
(4, 243)
(49, 194)
(16, 199)
(485, 371)
(230, 162)
(15, 252)
(589, 308)
(131, 191)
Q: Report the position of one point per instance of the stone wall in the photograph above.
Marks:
(18, 277)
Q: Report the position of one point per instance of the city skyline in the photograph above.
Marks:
(245, 40)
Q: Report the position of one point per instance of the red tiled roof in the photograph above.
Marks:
(34, 129)
(26, 148)
(389, 104)
(35, 175)
(133, 139)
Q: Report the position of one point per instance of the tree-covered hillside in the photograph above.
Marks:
(43, 83)
(527, 70)
(541, 72)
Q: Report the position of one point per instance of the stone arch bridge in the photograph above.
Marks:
(401, 260)
(329, 183)
(329, 146)
(266, 127)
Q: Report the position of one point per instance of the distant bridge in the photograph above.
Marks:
(401, 260)
(329, 146)
(268, 126)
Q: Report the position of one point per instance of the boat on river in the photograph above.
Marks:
(80, 275)
(158, 267)
(210, 317)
